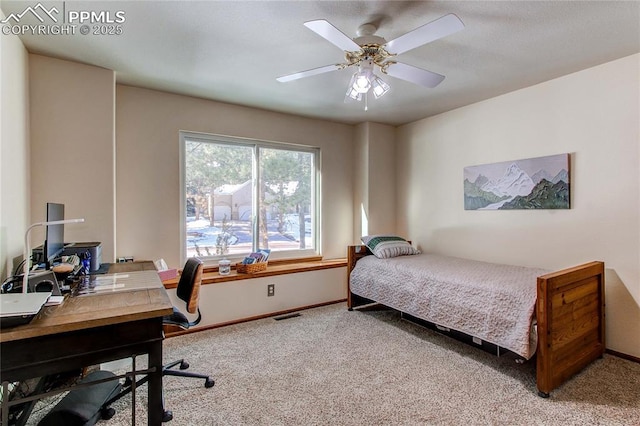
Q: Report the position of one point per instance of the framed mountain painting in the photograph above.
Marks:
(534, 183)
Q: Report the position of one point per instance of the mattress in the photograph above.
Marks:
(493, 302)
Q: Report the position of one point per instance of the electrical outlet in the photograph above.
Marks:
(271, 290)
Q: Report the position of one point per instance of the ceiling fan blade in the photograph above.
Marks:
(427, 33)
(414, 75)
(307, 73)
(327, 31)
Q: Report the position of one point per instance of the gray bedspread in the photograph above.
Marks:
(491, 301)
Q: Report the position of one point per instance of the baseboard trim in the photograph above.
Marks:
(623, 356)
(257, 317)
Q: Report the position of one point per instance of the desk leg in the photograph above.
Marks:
(155, 405)
(134, 382)
(5, 403)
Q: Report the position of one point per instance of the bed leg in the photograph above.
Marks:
(543, 394)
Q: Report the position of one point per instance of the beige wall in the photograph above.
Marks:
(360, 182)
(72, 147)
(594, 115)
(239, 300)
(73, 110)
(374, 200)
(148, 165)
(148, 193)
(14, 151)
(382, 179)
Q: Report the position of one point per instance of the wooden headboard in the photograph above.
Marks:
(355, 253)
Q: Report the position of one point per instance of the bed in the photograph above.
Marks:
(558, 316)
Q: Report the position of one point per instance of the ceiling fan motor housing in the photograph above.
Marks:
(370, 39)
(375, 53)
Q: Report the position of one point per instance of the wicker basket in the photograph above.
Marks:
(251, 268)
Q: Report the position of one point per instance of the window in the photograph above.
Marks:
(242, 195)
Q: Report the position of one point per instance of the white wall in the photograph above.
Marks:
(14, 151)
(72, 148)
(148, 181)
(594, 115)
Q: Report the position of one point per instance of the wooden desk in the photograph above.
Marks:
(89, 330)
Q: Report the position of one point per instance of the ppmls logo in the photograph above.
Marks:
(50, 21)
(39, 11)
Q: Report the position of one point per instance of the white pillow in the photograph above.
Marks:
(387, 246)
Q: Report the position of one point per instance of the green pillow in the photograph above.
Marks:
(387, 246)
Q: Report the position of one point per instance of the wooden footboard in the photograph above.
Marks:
(570, 314)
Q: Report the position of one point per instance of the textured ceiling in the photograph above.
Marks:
(233, 51)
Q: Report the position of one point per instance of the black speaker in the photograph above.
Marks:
(43, 281)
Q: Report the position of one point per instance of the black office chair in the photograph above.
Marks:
(188, 290)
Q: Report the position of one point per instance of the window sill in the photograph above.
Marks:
(276, 267)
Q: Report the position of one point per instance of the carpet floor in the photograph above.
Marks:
(330, 366)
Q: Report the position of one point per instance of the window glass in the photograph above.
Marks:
(285, 199)
(241, 196)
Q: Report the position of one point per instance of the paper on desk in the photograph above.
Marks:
(54, 300)
(101, 284)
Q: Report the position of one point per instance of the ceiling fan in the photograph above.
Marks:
(368, 51)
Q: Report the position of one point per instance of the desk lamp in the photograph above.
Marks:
(27, 255)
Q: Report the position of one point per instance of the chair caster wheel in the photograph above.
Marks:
(209, 382)
(107, 413)
(167, 416)
(184, 365)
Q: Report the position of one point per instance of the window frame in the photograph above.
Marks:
(255, 144)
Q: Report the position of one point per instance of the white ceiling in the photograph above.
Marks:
(232, 51)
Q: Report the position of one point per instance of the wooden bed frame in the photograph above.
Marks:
(570, 315)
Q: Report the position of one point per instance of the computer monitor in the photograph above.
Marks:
(54, 234)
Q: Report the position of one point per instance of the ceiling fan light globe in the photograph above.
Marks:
(361, 82)
(379, 87)
(352, 94)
